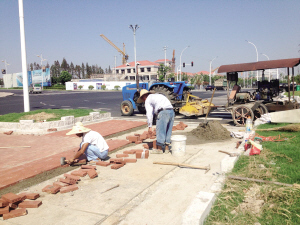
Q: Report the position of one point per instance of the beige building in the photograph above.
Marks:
(146, 70)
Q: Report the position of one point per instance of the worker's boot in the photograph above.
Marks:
(167, 150)
(157, 151)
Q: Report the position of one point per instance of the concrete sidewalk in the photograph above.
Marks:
(5, 94)
(147, 194)
(45, 151)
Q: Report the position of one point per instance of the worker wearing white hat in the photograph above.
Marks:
(161, 106)
(93, 144)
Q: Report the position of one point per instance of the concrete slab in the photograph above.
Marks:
(147, 194)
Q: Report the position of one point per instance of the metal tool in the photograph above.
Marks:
(230, 154)
(110, 188)
(207, 168)
(63, 161)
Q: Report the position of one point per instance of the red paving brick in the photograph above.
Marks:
(45, 151)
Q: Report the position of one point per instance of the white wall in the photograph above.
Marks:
(110, 85)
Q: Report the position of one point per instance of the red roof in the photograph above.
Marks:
(162, 60)
(142, 63)
(203, 72)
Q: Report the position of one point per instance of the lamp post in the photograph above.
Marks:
(269, 69)
(134, 28)
(180, 59)
(256, 57)
(42, 59)
(210, 69)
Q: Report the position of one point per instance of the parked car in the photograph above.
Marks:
(210, 87)
(35, 88)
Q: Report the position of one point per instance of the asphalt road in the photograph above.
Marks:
(105, 100)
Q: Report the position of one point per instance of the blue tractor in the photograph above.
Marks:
(176, 92)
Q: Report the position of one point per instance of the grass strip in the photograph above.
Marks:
(246, 202)
(58, 113)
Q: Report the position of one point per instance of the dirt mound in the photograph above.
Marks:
(39, 116)
(212, 130)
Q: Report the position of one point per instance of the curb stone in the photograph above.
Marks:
(200, 207)
(66, 122)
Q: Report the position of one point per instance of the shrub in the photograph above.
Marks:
(80, 86)
(103, 87)
(117, 87)
(91, 87)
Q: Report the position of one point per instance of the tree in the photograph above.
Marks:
(88, 70)
(162, 71)
(184, 77)
(64, 65)
(82, 71)
(297, 79)
(72, 69)
(65, 77)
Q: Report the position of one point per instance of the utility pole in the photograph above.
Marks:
(165, 49)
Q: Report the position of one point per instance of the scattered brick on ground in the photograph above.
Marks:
(92, 173)
(102, 163)
(51, 189)
(30, 204)
(70, 188)
(15, 213)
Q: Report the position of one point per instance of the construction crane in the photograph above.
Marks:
(125, 57)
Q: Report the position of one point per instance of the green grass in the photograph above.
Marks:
(279, 161)
(15, 117)
(297, 93)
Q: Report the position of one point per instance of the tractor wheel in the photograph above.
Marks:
(240, 114)
(142, 109)
(126, 108)
(165, 91)
(261, 109)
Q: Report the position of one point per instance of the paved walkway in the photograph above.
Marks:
(45, 151)
(148, 193)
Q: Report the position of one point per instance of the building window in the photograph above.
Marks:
(149, 69)
(134, 70)
(142, 70)
(128, 70)
(117, 71)
(122, 71)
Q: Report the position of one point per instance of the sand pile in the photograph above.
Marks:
(212, 130)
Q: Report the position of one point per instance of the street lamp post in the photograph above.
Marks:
(210, 69)
(42, 59)
(134, 28)
(256, 57)
(269, 69)
(180, 59)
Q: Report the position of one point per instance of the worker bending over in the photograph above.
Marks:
(93, 144)
(159, 105)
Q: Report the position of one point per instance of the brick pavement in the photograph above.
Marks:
(17, 164)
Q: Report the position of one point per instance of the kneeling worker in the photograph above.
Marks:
(93, 144)
(161, 106)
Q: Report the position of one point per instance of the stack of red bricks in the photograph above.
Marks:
(69, 182)
(123, 158)
(12, 205)
(180, 126)
(139, 138)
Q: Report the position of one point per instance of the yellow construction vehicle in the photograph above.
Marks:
(195, 106)
(125, 56)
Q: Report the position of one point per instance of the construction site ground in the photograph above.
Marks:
(147, 194)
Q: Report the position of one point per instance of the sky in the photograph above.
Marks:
(213, 29)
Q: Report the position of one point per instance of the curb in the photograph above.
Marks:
(200, 207)
(66, 122)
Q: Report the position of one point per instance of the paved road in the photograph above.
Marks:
(104, 100)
